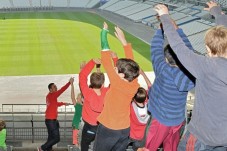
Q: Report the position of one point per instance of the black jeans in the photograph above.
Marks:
(111, 140)
(88, 135)
(53, 134)
(137, 143)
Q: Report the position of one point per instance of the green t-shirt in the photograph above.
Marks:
(3, 139)
(77, 116)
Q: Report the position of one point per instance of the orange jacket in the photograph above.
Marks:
(116, 111)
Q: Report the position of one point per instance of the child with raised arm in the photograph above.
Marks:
(93, 101)
(3, 146)
(207, 128)
(78, 104)
(113, 131)
(168, 95)
(139, 116)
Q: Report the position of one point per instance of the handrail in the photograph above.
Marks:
(31, 108)
(32, 131)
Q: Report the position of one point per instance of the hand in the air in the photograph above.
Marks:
(161, 9)
(210, 4)
(120, 36)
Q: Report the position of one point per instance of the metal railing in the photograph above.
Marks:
(30, 108)
(30, 126)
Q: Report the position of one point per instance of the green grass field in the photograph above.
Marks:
(38, 43)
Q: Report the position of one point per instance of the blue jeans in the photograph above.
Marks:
(111, 140)
(88, 136)
(197, 146)
(53, 134)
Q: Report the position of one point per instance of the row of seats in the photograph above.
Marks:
(186, 16)
(130, 9)
(50, 3)
(43, 8)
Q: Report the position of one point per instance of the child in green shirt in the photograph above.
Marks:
(2, 135)
(78, 104)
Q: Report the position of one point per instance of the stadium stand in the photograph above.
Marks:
(93, 3)
(187, 20)
(132, 9)
(79, 3)
(200, 27)
(187, 14)
(108, 4)
(120, 5)
(5, 4)
(142, 14)
(21, 3)
(198, 42)
(59, 3)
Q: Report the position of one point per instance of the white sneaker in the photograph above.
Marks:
(39, 149)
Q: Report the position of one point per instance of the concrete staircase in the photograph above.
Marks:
(35, 149)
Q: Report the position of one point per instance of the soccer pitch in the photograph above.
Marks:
(51, 43)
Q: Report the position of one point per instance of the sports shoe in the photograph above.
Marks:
(39, 149)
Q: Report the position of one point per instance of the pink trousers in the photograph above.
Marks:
(159, 134)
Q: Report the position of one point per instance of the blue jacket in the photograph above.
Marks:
(168, 95)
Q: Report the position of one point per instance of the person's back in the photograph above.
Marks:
(114, 119)
(51, 115)
(168, 95)
(117, 104)
(52, 102)
(93, 94)
(211, 102)
(2, 135)
(138, 119)
(209, 117)
(123, 86)
(93, 101)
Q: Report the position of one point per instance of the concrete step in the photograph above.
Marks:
(35, 149)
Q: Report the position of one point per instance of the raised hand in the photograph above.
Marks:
(210, 5)
(71, 80)
(120, 36)
(161, 9)
(105, 26)
(82, 65)
(79, 99)
(97, 60)
(113, 54)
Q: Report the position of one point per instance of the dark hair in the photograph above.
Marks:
(97, 79)
(171, 56)
(129, 68)
(141, 95)
(2, 125)
(50, 85)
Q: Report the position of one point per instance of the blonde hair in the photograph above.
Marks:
(216, 40)
(2, 125)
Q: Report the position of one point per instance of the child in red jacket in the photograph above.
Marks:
(139, 116)
(93, 101)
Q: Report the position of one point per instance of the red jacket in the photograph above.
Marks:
(93, 103)
(138, 122)
(53, 104)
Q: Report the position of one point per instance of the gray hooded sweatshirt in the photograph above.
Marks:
(209, 117)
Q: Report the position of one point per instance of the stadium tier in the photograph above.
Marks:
(120, 5)
(50, 3)
(39, 46)
(187, 14)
